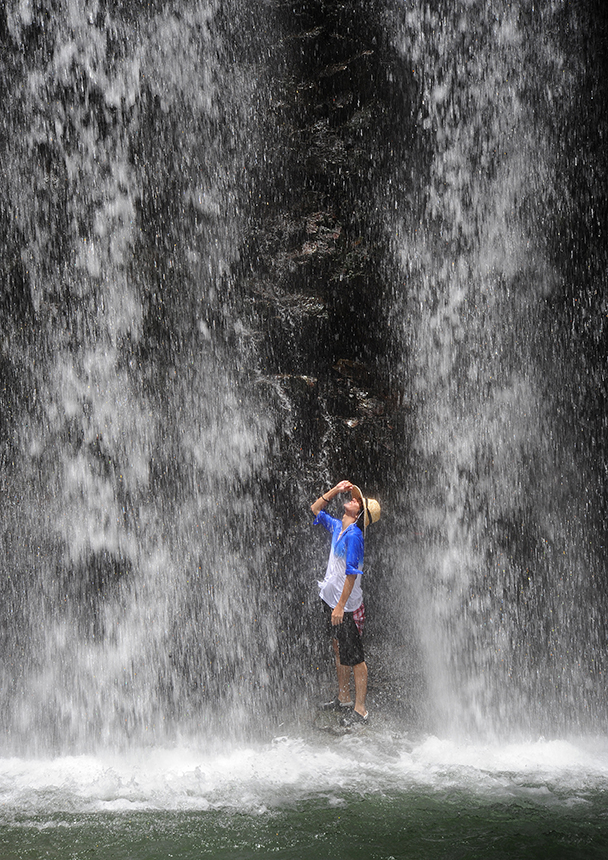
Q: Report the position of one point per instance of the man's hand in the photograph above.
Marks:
(337, 616)
(343, 487)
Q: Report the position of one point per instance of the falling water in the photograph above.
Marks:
(132, 439)
(510, 453)
(246, 252)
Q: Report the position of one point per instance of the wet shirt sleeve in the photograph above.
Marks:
(326, 521)
(354, 552)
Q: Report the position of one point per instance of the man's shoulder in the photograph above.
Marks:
(324, 519)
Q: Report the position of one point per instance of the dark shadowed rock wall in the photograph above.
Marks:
(317, 254)
(320, 282)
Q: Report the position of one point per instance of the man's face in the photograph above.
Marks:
(352, 506)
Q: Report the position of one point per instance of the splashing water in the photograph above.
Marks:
(505, 499)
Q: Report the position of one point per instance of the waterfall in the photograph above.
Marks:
(502, 319)
(247, 252)
(133, 440)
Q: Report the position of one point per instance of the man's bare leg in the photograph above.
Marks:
(360, 673)
(343, 676)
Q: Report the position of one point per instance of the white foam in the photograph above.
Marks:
(287, 770)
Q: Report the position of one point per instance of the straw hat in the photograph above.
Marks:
(370, 506)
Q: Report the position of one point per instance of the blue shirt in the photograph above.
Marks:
(345, 559)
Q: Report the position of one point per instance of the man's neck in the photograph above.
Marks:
(347, 521)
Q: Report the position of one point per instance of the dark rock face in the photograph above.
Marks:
(319, 270)
(319, 279)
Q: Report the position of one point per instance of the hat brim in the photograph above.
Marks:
(355, 491)
(368, 516)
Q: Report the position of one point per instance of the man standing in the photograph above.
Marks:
(342, 594)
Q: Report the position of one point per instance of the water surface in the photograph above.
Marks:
(378, 794)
